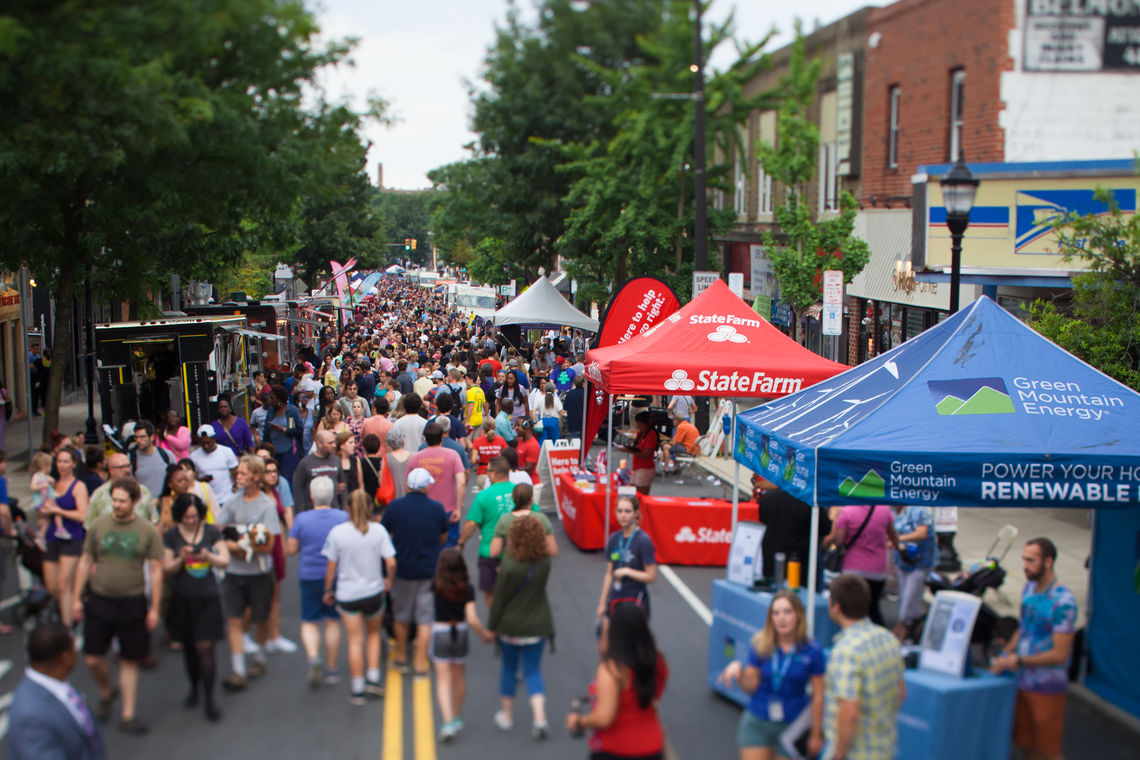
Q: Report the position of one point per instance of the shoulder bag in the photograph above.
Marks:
(833, 558)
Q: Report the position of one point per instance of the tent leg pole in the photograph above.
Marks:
(813, 566)
(735, 474)
(609, 465)
(583, 451)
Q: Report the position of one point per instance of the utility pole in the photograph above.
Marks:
(700, 224)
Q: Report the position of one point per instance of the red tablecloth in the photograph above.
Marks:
(691, 531)
(684, 531)
(582, 514)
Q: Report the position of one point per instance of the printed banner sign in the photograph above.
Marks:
(559, 457)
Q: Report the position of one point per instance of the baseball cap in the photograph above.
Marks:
(419, 479)
(437, 375)
(205, 431)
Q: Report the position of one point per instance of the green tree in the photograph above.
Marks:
(534, 98)
(806, 246)
(632, 206)
(405, 215)
(141, 140)
(1100, 323)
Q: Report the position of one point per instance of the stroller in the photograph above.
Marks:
(35, 605)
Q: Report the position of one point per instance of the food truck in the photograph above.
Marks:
(178, 363)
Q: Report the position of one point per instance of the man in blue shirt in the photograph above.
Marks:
(574, 404)
(418, 526)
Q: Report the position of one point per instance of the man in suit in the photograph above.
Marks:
(48, 717)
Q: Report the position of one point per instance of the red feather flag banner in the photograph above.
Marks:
(640, 304)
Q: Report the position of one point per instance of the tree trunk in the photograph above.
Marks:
(61, 344)
(620, 275)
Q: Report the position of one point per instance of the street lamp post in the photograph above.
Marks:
(958, 190)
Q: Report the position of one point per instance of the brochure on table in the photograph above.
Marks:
(946, 635)
(745, 561)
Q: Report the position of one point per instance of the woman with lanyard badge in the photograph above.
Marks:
(782, 663)
(631, 563)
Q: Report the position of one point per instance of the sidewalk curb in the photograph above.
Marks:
(1116, 715)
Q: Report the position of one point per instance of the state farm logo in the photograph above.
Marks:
(727, 333)
(568, 508)
(679, 381)
(703, 536)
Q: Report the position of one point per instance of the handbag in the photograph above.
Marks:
(386, 490)
(833, 558)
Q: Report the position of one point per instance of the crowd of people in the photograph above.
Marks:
(356, 460)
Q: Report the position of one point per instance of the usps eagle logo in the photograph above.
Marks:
(679, 381)
(727, 334)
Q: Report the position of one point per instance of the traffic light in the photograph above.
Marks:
(413, 244)
(407, 244)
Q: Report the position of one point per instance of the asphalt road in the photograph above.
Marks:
(277, 716)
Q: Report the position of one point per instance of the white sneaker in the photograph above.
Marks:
(249, 645)
(503, 722)
(281, 644)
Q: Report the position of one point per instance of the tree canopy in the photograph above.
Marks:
(807, 246)
(1100, 324)
(139, 140)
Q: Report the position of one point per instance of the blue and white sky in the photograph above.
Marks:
(416, 55)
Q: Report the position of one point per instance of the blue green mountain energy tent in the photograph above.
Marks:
(978, 411)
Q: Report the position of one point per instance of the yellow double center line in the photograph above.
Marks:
(422, 715)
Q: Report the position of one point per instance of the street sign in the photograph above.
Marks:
(832, 302)
(736, 283)
(508, 290)
(702, 281)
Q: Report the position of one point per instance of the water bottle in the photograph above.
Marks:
(778, 570)
(795, 570)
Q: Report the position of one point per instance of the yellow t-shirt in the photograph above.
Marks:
(476, 400)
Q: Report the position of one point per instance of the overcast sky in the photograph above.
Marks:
(416, 55)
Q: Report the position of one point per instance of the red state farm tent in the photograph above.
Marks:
(713, 346)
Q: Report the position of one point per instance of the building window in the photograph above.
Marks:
(893, 131)
(739, 185)
(957, 103)
(828, 177)
(763, 193)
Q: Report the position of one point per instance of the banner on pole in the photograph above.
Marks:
(638, 305)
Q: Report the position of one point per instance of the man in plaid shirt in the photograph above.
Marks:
(864, 682)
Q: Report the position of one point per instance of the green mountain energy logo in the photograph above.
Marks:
(870, 486)
(977, 395)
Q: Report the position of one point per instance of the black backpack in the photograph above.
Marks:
(134, 456)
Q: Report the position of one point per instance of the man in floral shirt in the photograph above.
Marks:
(1040, 653)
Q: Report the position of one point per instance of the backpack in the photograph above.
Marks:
(134, 457)
(460, 399)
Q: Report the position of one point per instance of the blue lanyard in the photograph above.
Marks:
(780, 667)
(623, 544)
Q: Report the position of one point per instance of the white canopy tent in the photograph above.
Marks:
(541, 305)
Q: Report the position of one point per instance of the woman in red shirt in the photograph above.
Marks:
(627, 685)
(644, 450)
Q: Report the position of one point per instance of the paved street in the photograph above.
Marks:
(279, 715)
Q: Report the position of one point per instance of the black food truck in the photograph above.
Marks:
(178, 363)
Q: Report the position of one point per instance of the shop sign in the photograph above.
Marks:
(1082, 35)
